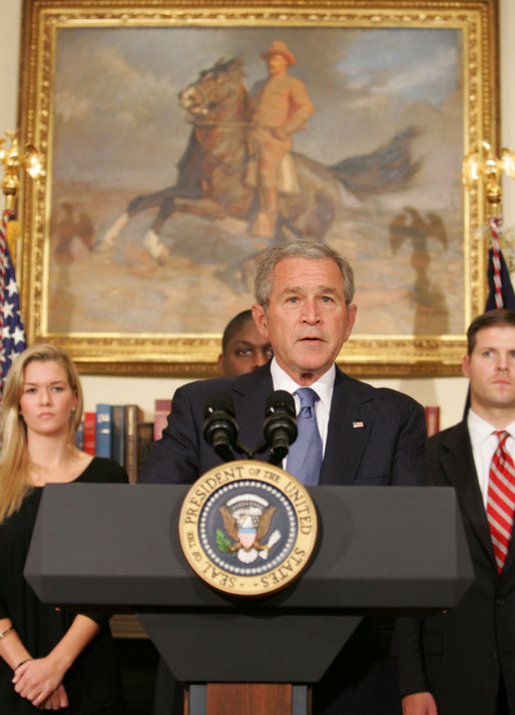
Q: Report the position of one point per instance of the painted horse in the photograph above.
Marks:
(211, 172)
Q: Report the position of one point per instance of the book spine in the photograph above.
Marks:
(131, 441)
(118, 434)
(89, 432)
(432, 419)
(103, 430)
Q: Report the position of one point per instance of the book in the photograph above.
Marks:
(118, 434)
(432, 419)
(103, 430)
(133, 416)
(161, 411)
(89, 432)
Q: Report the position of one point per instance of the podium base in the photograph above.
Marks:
(247, 699)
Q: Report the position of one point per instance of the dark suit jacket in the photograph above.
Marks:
(459, 656)
(387, 449)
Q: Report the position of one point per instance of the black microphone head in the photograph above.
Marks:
(280, 399)
(219, 401)
(280, 425)
(220, 429)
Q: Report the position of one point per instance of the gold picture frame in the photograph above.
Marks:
(412, 80)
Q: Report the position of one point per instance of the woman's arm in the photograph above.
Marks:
(12, 649)
(37, 679)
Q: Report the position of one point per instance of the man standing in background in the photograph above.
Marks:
(243, 348)
(463, 660)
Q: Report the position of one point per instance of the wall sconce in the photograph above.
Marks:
(481, 164)
(13, 162)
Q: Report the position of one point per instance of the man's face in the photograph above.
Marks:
(307, 320)
(277, 64)
(245, 352)
(491, 370)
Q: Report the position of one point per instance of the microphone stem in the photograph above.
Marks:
(242, 449)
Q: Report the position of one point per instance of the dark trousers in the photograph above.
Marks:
(168, 693)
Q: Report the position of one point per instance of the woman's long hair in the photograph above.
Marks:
(14, 458)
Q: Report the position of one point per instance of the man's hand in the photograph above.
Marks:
(419, 704)
(38, 679)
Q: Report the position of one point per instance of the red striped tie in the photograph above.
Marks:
(501, 500)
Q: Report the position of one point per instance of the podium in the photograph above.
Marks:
(380, 550)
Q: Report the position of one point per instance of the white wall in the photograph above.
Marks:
(448, 392)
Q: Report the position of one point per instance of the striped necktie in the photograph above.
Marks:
(305, 456)
(501, 499)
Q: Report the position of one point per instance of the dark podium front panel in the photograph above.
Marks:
(380, 550)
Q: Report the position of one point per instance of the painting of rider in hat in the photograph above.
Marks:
(280, 107)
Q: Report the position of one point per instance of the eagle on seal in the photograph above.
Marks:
(247, 530)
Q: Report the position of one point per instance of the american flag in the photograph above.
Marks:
(13, 334)
(500, 290)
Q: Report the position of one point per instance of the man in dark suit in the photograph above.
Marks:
(369, 436)
(463, 660)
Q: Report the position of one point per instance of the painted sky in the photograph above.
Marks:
(117, 115)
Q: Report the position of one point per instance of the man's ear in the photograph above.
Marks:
(259, 315)
(220, 364)
(351, 319)
(465, 366)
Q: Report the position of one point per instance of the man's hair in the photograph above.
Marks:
(490, 319)
(234, 326)
(312, 250)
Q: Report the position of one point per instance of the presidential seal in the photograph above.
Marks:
(247, 528)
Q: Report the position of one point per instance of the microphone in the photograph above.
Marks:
(280, 426)
(220, 429)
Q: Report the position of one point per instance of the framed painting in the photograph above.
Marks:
(141, 240)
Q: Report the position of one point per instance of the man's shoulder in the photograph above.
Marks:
(379, 394)
(296, 83)
(205, 387)
(235, 385)
(448, 438)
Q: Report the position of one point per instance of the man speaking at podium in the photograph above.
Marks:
(349, 433)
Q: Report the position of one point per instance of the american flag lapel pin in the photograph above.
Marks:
(358, 424)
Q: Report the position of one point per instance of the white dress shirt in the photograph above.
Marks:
(484, 443)
(323, 387)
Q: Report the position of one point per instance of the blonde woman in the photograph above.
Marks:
(50, 659)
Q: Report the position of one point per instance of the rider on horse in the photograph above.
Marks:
(281, 106)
